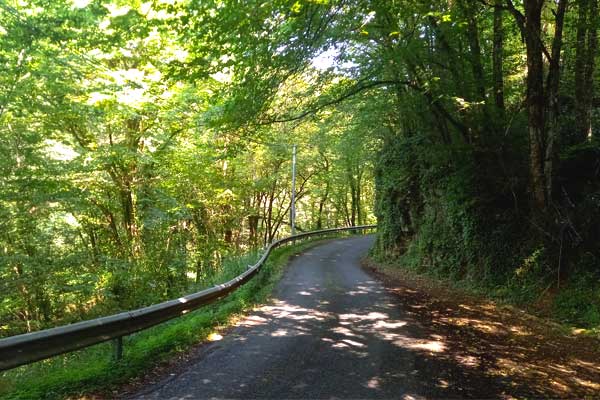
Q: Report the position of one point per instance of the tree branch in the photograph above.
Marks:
(521, 22)
(345, 96)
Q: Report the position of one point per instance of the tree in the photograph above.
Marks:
(586, 48)
(541, 112)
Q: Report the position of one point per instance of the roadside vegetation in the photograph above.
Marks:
(94, 370)
(143, 143)
(125, 179)
(488, 175)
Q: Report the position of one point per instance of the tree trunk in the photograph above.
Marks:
(352, 198)
(530, 25)
(552, 90)
(359, 212)
(321, 206)
(535, 100)
(541, 136)
(586, 46)
(497, 54)
(253, 227)
(591, 65)
(269, 232)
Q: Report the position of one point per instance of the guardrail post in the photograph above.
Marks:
(117, 348)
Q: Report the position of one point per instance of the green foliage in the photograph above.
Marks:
(136, 153)
(579, 306)
(578, 302)
(141, 143)
(455, 174)
(92, 370)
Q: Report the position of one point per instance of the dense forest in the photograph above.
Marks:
(134, 161)
(143, 142)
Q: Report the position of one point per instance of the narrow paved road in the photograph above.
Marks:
(332, 331)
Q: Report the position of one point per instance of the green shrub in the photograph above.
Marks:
(578, 302)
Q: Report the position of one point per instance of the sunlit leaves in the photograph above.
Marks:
(138, 146)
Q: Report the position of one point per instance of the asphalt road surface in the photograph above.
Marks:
(332, 331)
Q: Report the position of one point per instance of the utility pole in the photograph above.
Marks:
(293, 205)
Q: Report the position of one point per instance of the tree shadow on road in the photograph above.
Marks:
(411, 347)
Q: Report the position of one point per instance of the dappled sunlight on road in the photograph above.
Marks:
(253, 320)
(331, 322)
(356, 318)
(282, 309)
(412, 397)
(508, 345)
(468, 341)
(384, 325)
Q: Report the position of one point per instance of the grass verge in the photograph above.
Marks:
(92, 370)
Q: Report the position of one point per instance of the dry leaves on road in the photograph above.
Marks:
(532, 354)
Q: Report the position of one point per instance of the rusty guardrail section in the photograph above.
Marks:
(27, 348)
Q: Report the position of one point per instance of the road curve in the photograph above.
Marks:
(331, 331)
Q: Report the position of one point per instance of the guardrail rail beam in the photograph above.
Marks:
(30, 347)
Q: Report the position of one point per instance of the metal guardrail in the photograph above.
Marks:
(30, 347)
